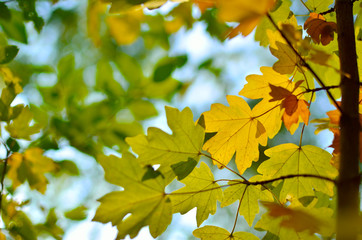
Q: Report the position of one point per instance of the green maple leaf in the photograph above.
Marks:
(201, 191)
(158, 147)
(249, 196)
(217, 233)
(20, 126)
(144, 201)
(289, 159)
(318, 5)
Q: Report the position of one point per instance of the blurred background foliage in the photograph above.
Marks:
(77, 77)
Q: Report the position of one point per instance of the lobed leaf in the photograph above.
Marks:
(201, 191)
(217, 233)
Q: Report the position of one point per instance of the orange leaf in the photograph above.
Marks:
(204, 4)
(294, 218)
(319, 29)
(247, 13)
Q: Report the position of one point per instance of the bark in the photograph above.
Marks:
(348, 185)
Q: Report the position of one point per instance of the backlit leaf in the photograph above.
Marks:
(159, 147)
(217, 233)
(238, 131)
(288, 159)
(319, 29)
(141, 203)
(201, 191)
(288, 60)
(248, 195)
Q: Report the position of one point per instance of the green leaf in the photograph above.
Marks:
(249, 196)
(20, 126)
(286, 159)
(8, 53)
(142, 109)
(201, 191)
(4, 12)
(161, 148)
(318, 5)
(218, 233)
(142, 203)
(15, 28)
(77, 214)
(182, 169)
(165, 67)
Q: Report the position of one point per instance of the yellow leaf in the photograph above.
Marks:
(247, 12)
(216, 233)
(288, 60)
(125, 29)
(95, 9)
(32, 165)
(237, 131)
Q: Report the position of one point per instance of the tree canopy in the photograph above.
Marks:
(87, 76)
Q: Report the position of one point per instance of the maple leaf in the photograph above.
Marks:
(201, 191)
(249, 195)
(30, 166)
(289, 158)
(20, 126)
(216, 233)
(158, 147)
(319, 29)
(237, 131)
(295, 223)
(269, 112)
(145, 201)
(288, 60)
(204, 4)
(247, 12)
(295, 109)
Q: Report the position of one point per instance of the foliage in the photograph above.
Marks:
(107, 76)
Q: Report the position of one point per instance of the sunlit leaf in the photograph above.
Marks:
(200, 191)
(141, 203)
(217, 233)
(238, 131)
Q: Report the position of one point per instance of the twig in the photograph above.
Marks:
(321, 89)
(305, 63)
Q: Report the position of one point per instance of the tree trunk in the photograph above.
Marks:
(348, 184)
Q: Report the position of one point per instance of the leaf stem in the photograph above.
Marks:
(237, 212)
(319, 80)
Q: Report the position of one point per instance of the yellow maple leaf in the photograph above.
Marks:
(237, 131)
(30, 166)
(269, 112)
(247, 13)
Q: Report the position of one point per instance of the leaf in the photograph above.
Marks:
(238, 131)
(20, 126)
(77, 214)
(247, 12)
(288, 60)
(183, 169)
(125, 29)
(30, 166)
(319, 29)
(5, 13)
(203, 5)
(166, 66)
(318, 5)
(248, 195)
(8, 53)
(161, 148)
(296, 222)
(201, 191)
(141, 203)
(286, 159)
(216, 233)
(295, 109)
(15, 28)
